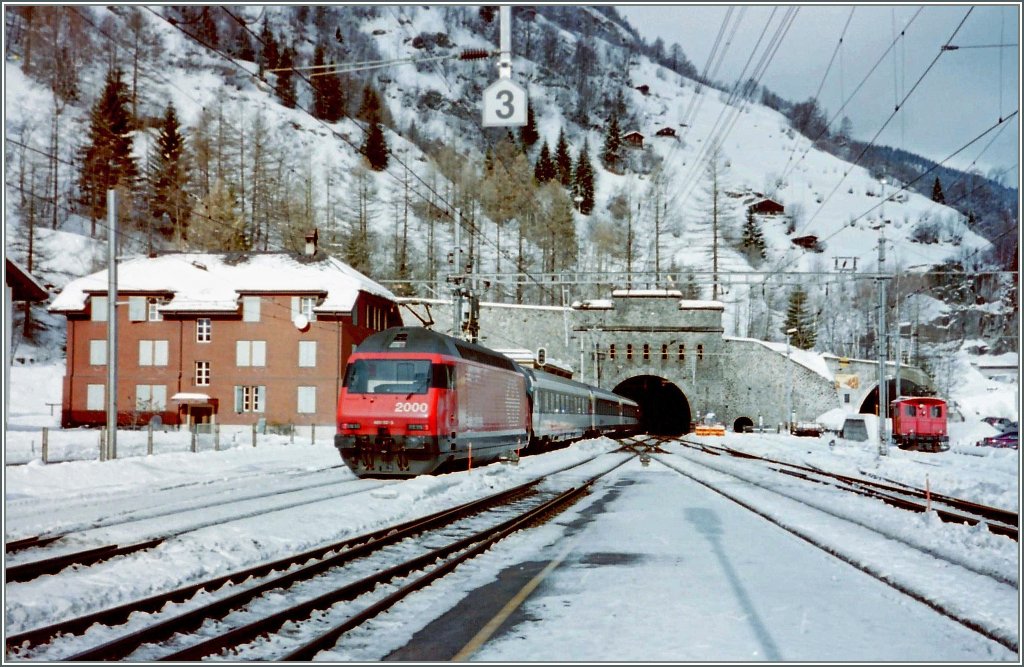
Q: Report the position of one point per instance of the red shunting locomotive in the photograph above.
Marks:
(919, 423)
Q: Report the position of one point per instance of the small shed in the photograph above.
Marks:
(633, 138)
(644, 89)
(666, 132)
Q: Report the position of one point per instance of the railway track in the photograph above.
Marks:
(30, 569)
(949, 509)
(946, 607)
(422, 550)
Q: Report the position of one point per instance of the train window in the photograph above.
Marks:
(647, 351)
(700, 353)
(629, 351)
(611, 351)
(936, 411)
(911, 411)
(664, 351)
(682, 352)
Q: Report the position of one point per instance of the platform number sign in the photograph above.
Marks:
(504, 104)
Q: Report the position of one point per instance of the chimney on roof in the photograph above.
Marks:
(311, 240)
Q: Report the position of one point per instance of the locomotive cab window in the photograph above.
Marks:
(936, 411)
(395, 376)
(911, 411)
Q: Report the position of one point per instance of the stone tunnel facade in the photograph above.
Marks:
(654, 342)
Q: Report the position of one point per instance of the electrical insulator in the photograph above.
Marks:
(474, 54)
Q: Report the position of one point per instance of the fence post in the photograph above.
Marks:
(103, 443)
(216, 437)
(46, 444)
(149, 440)
(312, 434)
(254, 435)
(291, 434)
(195, 436)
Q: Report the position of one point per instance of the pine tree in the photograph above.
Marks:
(375, 148)
(528, 134)
(168, 176)
(218, 224)
(563, 161)
(798, 317)
(369, 105)
(544, 171)
(937, 195)
(269, 54)
(611, 153)
(583, 181)
(207, 28)
(753, 240)
(107, 161)
(285, 87)
(328, 98)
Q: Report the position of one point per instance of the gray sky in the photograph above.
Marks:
(965, 92)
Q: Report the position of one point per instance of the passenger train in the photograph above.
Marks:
(415, 401)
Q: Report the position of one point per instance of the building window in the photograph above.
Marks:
(99, 309)
(647, 351)
(682, 352)
(150, 397)
(95, 398)
(629, 351)
(307, 400)
(611, 351)
(202, 373)
(97, 353)
(700, 353)
(307, 353)
(846, 398)
(136, 309)
(251, 353)
(304, 305)
(250, 398)
(664, 351)
(153, 352)
(204, 330)
(154, 314)
(250, 309)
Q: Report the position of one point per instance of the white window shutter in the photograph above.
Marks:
(242, 353)
(137, 308)
(145, 353)
(160, 353)
(259, 353)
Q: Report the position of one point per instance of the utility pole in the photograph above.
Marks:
(111, 443)
(883, 403)
(789, 369)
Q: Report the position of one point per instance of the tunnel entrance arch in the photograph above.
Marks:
(663, 405)
(908, 388)
(742, 424)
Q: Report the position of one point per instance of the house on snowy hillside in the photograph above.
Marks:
(766, 206)
(20, 286)
(202, 339)
(633, 138)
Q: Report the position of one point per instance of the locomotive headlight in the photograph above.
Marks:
(417, 427)
(352, 425)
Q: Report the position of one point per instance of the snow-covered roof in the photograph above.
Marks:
(26, 287)
(205, 282)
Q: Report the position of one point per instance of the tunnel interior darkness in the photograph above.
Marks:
(909, 388)
(663, 405)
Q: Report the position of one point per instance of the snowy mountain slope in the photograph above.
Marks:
(840, 204)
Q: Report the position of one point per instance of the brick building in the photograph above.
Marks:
(219, 338)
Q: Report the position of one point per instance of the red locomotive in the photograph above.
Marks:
(416, 401)
(919, 423)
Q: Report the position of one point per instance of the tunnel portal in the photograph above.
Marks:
(663, 405)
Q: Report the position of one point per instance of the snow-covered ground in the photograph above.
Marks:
(681, 545)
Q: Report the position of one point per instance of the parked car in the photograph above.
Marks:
(1008, 439)
(1001, 423)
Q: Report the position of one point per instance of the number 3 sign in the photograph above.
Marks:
(504, 104)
